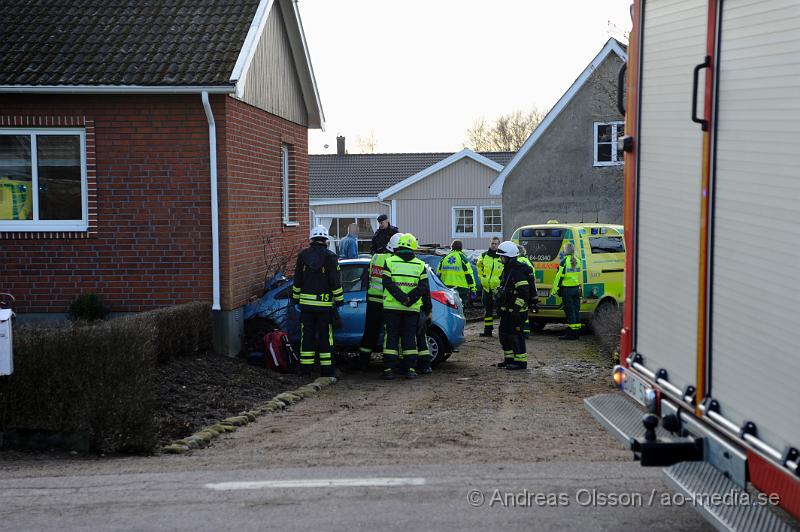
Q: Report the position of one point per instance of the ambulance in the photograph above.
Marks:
(601, 249)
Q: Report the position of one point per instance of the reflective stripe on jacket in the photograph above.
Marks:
(376, 265)
(490, 270)
(454, 271)
(406, 274)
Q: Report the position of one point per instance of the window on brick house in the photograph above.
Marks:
(43, 180)
(289, 189)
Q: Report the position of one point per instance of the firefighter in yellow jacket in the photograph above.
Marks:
(455, 272)
(318, 288)
(490, 270)
(405, 293)
(567, 284)
(373, 322)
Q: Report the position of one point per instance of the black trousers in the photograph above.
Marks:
(488, 310)
(401, 326)
(511, 336)
(373, 324)
(316, 336)
(423, 354)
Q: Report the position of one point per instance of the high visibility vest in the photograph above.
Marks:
(490, 271)
(376, 265)
(406, 275)
(567, 274)
(451, 271)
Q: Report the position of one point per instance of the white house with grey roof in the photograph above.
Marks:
(438, 197)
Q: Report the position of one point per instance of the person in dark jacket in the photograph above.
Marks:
(382, 235)
(318, 289)
(513, 294)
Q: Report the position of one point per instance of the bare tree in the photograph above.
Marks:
(507, 133)
(367, 143)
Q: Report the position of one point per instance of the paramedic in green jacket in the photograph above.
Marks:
(490, 270)
(455, 272)
(567, 284)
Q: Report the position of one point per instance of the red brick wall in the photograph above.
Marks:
(252, 232)
(152, 246)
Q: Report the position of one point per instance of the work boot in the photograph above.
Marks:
(487, 333)
(505, 363)
(516, 365)
(411, 373)
(567, 335)
(425, 370)
(305, 370)
(387, 375)
(327, 371)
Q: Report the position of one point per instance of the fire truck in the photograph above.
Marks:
(710, 344)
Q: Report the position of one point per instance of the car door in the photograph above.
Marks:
(353, 313)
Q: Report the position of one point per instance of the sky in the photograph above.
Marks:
(416, 74)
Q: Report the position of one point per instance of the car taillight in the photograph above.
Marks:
(445, 298)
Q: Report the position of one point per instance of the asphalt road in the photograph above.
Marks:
(470, 447)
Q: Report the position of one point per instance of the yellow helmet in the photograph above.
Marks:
(407, 241)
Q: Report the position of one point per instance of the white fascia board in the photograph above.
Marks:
(496, 188)
(249, 46)
(115, 89)
(342, 201)
(419, 176)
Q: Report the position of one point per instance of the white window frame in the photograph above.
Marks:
(454, 220)
(36, 225)
(318, 221)
(617, 127)
(485, 234)
(285, 192)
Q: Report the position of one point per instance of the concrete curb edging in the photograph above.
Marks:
(202, 438)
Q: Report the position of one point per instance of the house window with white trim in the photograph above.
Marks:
(288, 189)
(607, 148)
(491, 221)
(43, 180)
(464, 221)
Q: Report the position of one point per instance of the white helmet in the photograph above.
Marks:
(508, 249)
(319, 232)
(392, 245)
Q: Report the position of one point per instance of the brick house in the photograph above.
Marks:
(150, 152)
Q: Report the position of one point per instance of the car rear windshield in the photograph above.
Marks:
(542, 245)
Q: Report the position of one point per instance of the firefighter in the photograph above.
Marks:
(490, 269)
(373, 322)
(513, 296)
(455, 272)
(318, 289)
(567, 284)
(526, 330)
(405, 293)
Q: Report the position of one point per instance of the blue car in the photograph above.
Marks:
(445, 335)
(434, 260)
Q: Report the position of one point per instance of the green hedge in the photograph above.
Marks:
(97, 379)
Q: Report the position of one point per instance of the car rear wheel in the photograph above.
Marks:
(437, 345)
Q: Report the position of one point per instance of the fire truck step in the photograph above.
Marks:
(620, 416)
(721, 501)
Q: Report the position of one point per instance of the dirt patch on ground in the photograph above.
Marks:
(192, 393)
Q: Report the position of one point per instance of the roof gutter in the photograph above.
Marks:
(116, 89)
(212, 155)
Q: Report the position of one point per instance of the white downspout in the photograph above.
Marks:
(212, 155)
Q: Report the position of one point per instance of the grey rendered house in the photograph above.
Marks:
(436, 196)
(570, 168)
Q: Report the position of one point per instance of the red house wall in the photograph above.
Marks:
(252, 232)
(152, 244)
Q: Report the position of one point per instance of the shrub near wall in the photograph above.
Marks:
(96, 380)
